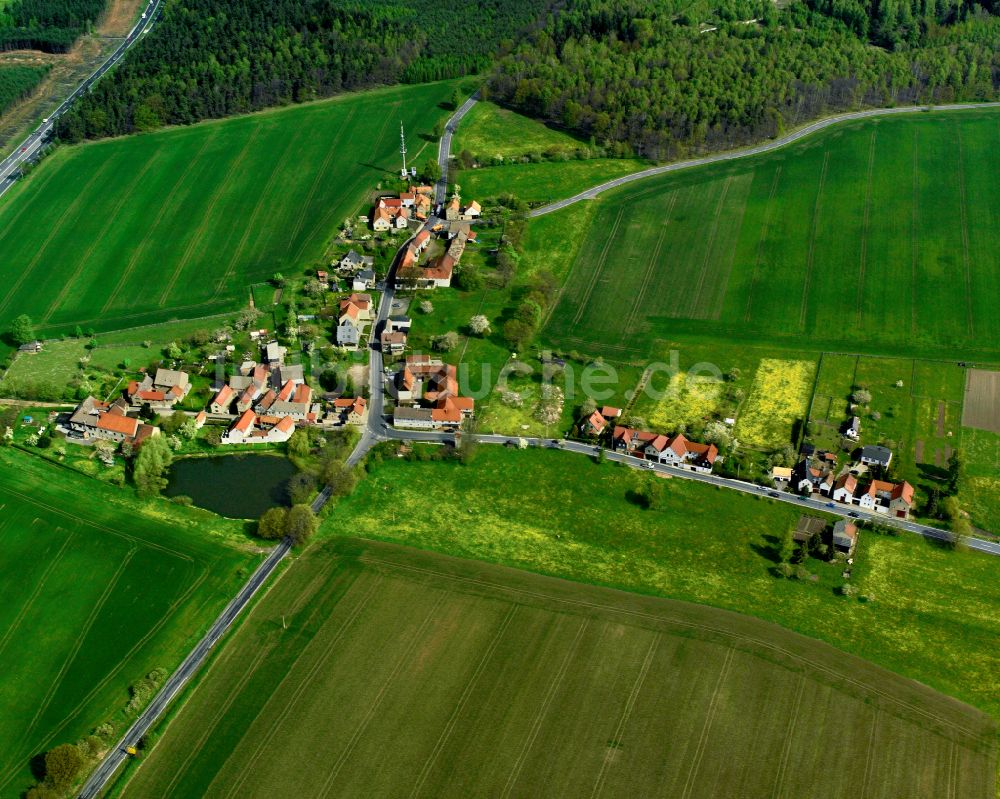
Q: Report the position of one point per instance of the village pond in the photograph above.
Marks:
(235, 486)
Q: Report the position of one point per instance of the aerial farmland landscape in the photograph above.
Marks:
(513, 399)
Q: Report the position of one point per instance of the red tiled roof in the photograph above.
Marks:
(286, 391)
(114, 423)
(286, 424)
(224, 397)
(303, 394)
(245, 422)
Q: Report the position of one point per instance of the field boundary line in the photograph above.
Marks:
(24, 205)
(360, 183)
(865, 222)
(952, 771)
(713, 706)
(84, 632)
(207, 729)
(321, 172)
(297, 692)
(34, 594)
(155, 224)
(200, 232)
(786, 750)
(104, 528)
(722, 280)
(470, 685)
(585, 299)
(390, 680)
(870, 755)
(627, 710)
(650, 268)
(710, 243)
(69, 282)
(680, 622)
(810, 258)
(250, 226)
(966, 260)
(71, 209)
(539, 719)
(765, 228)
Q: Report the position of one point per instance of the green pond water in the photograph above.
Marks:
(235, 486)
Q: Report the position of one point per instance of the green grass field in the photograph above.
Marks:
(374, 670)
(488, 131)
(876, 236)
(178, 223)
(930, 615)
(93, 597)
(545, 181)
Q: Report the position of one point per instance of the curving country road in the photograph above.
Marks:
(444, 147)
(28, 149)
(767, 147)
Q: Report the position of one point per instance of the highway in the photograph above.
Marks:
(183, 674)
(10, 167)
(767, 147)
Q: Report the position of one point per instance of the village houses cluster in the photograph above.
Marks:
(818, 473)
(427, 396)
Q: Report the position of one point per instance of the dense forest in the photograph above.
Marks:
(212, 58)
(49, 25)
(17, 83)
(666, 80)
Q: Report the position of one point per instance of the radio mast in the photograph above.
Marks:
(402, 148)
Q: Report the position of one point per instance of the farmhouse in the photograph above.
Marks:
(31, 348)
(93, 419)
(808, 477)
(251, 429)
(392, 341)
(274, 353)
(894, 499)
(677, 451)
(365, 279)
(351, 410)
(845, 536)
(594, 425)
(876, 456)
(347, 334)
(160, 392)
(391, 212)
(353, 262)
(435, 384)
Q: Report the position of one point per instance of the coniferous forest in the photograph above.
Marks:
(49, 25)
(213, 58)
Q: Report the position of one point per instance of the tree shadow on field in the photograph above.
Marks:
(771, 550)
(37, 766)
(929, 471)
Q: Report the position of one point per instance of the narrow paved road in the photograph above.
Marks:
(733, 155)
(10, 167)
(183, 674)
(444, 147)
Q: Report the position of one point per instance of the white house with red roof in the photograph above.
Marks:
(677, 451)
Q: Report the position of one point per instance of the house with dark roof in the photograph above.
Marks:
(876, 456)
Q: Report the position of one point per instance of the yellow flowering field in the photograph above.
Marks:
(779, 397)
